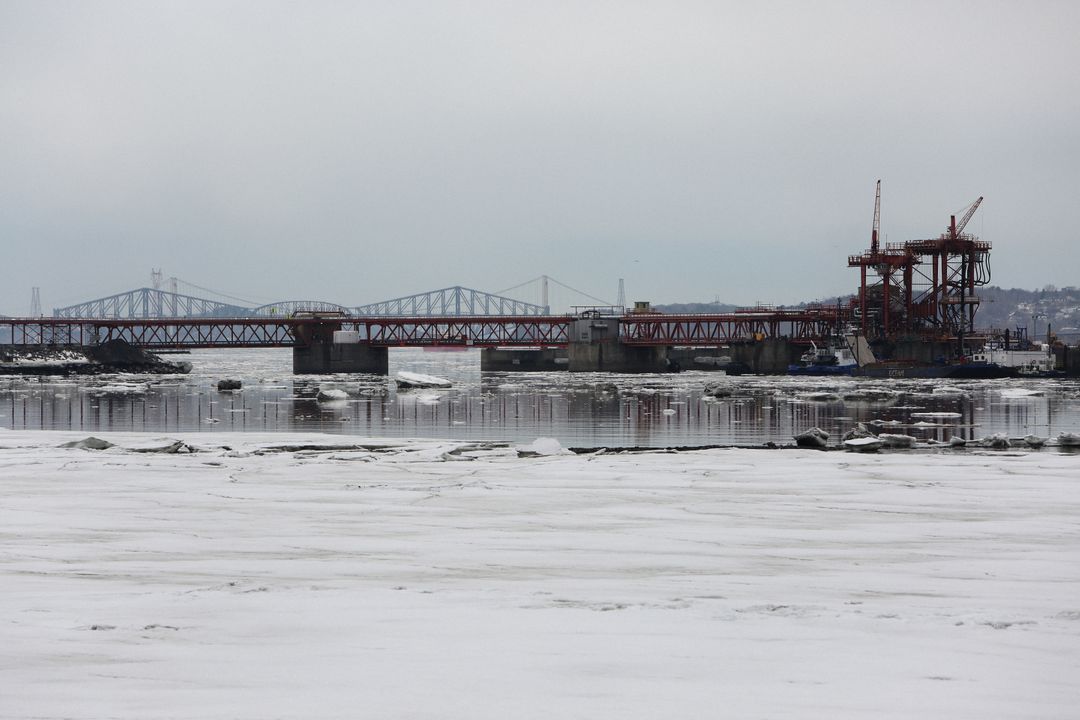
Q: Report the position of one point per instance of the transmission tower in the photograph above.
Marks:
(35, 302)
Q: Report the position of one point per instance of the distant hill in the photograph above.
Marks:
(689, 308)
(1012, 307)
(1001, 308)
(719, 307)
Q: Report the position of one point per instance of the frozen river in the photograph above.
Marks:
(581, 410)
(419, 554)
(285, 576)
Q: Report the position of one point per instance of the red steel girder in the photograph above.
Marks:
(180, 333)
(525, 331)
(804, 324)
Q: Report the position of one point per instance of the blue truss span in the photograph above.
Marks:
(456, 301)
(288, 308)
(150, 303)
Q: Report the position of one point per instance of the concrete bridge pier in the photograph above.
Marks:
(595, 347)
(325, 358)
(325, 348)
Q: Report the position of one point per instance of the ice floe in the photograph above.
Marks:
(450, 579)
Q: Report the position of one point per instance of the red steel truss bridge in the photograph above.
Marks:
(813, 323)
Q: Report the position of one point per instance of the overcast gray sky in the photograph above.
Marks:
(355, 151)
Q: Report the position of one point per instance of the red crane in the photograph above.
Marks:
(955, 228)
(877, 220)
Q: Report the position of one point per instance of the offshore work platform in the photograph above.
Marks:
(920, 292)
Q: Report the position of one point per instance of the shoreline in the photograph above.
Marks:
(329, 442)
(113, 357)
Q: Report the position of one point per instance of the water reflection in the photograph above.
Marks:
(581, 410)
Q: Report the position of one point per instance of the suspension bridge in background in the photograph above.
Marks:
(455, 301)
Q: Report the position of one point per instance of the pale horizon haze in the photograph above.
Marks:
(358, 151)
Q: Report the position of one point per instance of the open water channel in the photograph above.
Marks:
(580, 410)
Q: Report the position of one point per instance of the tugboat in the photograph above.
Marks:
(835, 358)
(1029, 359)
(961, 369)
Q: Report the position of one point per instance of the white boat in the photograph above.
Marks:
(1028, 363)
(1069, 439)
(407, 380)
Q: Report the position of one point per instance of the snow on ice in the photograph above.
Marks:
(229, 575)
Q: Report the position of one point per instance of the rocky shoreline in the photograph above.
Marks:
(115, 356)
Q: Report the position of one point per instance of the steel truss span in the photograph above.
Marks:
(152, 333)
(144, 303)
(287, 308)
(524, 331)
(453, 301)
(149, 303)
(483, 332)
(690, 330)
(282, 332)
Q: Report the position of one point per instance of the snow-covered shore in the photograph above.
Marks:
(113, 356)
(271, 575)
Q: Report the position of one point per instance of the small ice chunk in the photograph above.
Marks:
(1021, 393)
(860, 431)
(997, 441)
(166, 446)
(863, 444)
(826, 397)
(406, 380)
(90, 443)
(1069, 439)
(815, 437)
(894, 440)
(541, 447)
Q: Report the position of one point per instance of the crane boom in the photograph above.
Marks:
(877, 220)
(967, 216)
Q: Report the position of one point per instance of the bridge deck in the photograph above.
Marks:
(495, 331)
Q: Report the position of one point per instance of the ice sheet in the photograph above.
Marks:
(304, 576)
